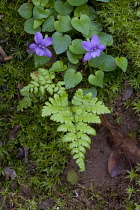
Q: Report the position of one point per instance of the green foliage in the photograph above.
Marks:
(96, 79)
(76, 2)
(71, 78)
(82, 25)
(74, 118)
(122, 63)
(103, 62)
(63, 8)
(105, 39)
(29, 26)
(41, 84)
(72, 177)
(58, 66)
(63, 24)
(26, 10)
(61, 42)
(40, 60)
(76, 47)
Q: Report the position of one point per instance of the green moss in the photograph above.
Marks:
(121, 19)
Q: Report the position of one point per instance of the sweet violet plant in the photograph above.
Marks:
(78, 41)
(94, 48)
(40, 47)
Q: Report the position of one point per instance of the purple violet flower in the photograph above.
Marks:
(93, 47)
(39, 47)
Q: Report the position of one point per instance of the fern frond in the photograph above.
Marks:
(74, 118)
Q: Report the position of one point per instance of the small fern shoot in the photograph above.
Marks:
(74, 118)
(41, 83)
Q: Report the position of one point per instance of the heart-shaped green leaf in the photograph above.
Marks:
(72, 66)
(76, 47)
(105, 39)
(36, 2)
(103, 62)
(63, 24)
(73, 58)
(50, 4)
(81, 10)
(63, 8)
(82, 25)
(92, 31)
(44, 2)
(90, 90)
(92, 12)
(25, 10)
(108, 64)
(28, 26)
(48, 24)
(39, 12)
(71, 78)
(122, 63)
(40, 60)
(58, 66)
(37, 23)
(77, 2)
(96, 79)
(61, 42)
(96, 62)
(40, 2)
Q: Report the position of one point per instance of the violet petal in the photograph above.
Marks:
(87, 45)
(47, 41)
(47, 53)
(101, 47)
(39, 51)
(38, 38)
(87, 56)
(32, 46)
(95, 41)
(95, 53)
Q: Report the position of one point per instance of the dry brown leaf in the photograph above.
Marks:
(13, 132)
(9, 173)
(127, 149)
(117, 163)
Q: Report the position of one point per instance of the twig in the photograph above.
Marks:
(2, 52)
(8, 58)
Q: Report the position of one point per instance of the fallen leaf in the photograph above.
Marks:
(72, 177)
(2, 52)
(117, 163)
(9, 173)
(26, 154)
(47, 204)
(20, 86)
(13, 132)
(128, 90)
(127, 149)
